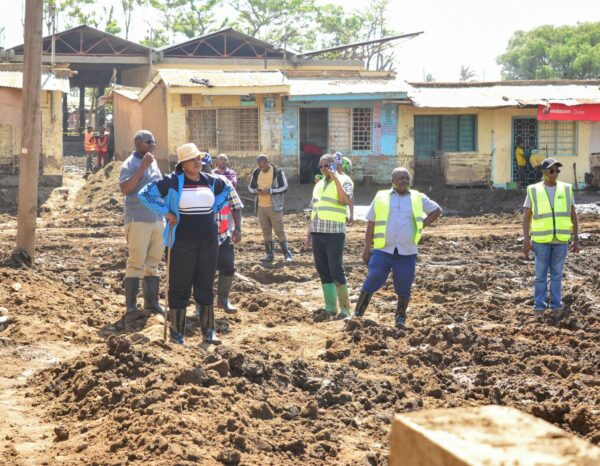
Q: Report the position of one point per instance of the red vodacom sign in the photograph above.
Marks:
(586, 112)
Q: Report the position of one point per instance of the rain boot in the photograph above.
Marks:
(223, 287)
(344, 300)
(401, 311)
(270, 249)
(330, 296)
(286, 251)
(177, 318)
(150, 286)
(132, 313)
(206, 313)
(362, 303)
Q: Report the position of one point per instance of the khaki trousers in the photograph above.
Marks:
(270, 220)
(145, 243)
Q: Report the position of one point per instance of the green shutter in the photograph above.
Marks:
(427, 135)
(467, 133)
(450, 133)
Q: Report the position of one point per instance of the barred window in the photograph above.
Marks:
(225, 129)
(361, 128)
(558, 137)
(238, 129)
(202, 128)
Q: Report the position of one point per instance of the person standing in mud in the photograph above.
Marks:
(189, 198)
(327, 234)
(228, 238)
(269, 184)
(223, 169)
(89, 145)
(143, 228)
(549, 222)
(396, 219)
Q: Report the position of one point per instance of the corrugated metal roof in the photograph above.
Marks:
(14, 79)
(192, 78)
(504, 96)
(340, 86)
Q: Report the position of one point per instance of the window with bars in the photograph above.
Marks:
(202, 128)
(558, 137)
(225, 129)
(447, 133)
(361, 128)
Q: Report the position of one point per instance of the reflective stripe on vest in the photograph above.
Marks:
(547, 222)
(382, 213)
(326, 205)
(88, 142)
(224, 223)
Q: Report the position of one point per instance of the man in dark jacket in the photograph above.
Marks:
(269, 184)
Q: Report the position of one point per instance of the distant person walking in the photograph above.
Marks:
(269, 184)
(101, 147)
(521, 163)
(396, 217)
(89, 146)
(327, 234)
(549, 222)
(143, 228)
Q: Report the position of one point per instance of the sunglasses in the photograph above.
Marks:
(553, 170)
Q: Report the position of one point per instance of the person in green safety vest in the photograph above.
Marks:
(549, 222)
(327, 234)
(396, 219)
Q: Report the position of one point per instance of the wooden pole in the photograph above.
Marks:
(31, 145)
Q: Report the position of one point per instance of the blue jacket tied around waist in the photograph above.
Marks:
(162, 196)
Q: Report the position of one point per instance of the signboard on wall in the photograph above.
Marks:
(586, 112)
(248, 100)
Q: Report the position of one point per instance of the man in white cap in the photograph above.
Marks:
(549, 222)
(143, 228)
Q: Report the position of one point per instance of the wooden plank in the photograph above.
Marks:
(490, 435)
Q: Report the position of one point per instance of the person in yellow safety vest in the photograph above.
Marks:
(327, 234)
(396, 219)
(89, 145)
(521, 162)
(549, 222)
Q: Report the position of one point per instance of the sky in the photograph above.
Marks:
(459, 32)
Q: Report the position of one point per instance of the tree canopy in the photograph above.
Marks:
(553, 52)
(298, 25)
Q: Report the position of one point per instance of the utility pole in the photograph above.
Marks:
(31, 144)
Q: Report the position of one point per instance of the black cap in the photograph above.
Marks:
(547, 163)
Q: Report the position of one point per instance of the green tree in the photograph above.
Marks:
(63, 11)
(284, 23)
(467, 74)
(549, 52)
(128, 7)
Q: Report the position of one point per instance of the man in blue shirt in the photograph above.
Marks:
(399, 214)
(143, 228)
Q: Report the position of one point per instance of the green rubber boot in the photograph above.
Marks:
(330, 295)
(344, 300)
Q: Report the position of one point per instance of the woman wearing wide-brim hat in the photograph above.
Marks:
(189, 199)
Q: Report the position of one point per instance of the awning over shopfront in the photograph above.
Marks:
(562, 112)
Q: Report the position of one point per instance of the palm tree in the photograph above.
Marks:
(467, 74)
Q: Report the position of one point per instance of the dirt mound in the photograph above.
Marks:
(136, 400)
(101, 192)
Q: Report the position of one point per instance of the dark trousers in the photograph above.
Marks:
(226, 264)
(192, 265)
(380, 264)
(328, 252)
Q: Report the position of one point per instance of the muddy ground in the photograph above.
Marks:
(286, 386)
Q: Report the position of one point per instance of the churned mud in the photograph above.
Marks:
(287, 386)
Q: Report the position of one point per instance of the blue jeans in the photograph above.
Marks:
(403, 268)
(548, 257)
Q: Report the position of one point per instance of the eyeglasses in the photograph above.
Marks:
(553, 170)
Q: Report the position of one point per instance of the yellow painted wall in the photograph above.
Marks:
(269, 125)
(494, 131)
(10, 128)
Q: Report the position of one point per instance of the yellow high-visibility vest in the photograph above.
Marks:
(326, 204)
(382, 213)
(545, 221)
